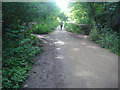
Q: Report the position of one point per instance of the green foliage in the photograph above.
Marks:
(94, 34)
(62, 17)
(17, 58)
(25, 12)
(103, 14)
(100, 13)
(71, 27)
(79, 15)
(104, 20)
(44, 28)
(16, 76)
(19, 45)
(107, 40)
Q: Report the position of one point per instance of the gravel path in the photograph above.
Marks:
(72, 61)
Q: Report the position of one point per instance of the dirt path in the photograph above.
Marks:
(73, 61)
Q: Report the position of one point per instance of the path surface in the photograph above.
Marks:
(73, 61)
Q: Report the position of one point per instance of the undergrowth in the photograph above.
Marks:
(17, 56)
(107, 39)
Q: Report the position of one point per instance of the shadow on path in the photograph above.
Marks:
(72, 61)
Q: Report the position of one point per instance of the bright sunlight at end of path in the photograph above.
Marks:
(62, 4)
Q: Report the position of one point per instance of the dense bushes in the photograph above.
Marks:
(17, 56)
(109, 40)
(105, 30)
(19, 45)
